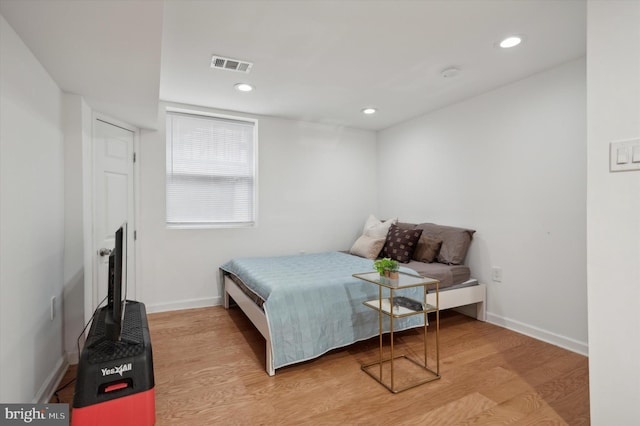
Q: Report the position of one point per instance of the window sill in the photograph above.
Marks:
(210, 225)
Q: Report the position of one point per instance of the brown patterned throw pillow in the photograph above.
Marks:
(401, 243)
(427, 249)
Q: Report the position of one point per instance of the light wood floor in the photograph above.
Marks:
(209, 369)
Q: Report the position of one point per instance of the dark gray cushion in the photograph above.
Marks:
(427, 249)
(455, 241)
(448, 275)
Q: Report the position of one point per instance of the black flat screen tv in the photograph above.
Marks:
(117, 281)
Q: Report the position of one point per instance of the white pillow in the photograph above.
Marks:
(367, 247)
(375, 228)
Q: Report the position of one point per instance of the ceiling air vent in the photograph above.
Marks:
(229, 64)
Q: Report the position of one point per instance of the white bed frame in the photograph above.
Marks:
(455, 298)
(459, 297)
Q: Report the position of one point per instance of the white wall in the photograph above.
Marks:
(613, 212)
(317, 185)
(511, 164)
(77, 143)
(31, 223)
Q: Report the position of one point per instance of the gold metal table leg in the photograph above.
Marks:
(380, 317)
(424, 338)
(391, 332)
(437, 329)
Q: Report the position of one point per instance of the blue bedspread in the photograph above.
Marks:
(313, 304)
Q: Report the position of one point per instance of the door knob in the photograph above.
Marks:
(104, 252)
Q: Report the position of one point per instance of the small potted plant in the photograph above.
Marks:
(387, 268)
(393, 270)
(380, 265)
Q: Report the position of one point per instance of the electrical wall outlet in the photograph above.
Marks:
(53, 308)
(496, 274)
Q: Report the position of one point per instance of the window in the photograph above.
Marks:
(211, 170)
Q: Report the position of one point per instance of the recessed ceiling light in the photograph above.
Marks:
(243, 87)
(369, 111)
(510, 41)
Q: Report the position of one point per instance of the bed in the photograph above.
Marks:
(312, 304)
(306, 305)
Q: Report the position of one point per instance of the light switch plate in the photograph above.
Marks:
(635, 154)
(496, 274)
(623, 155)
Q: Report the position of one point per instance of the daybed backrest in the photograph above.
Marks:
(455, 241)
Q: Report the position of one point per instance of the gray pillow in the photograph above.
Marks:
(455, 241)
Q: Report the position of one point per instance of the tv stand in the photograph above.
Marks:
(115, 383)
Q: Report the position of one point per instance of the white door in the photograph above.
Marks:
(113, 203)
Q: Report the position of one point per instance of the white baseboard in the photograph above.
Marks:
(51, 383)
(184, 304)
(72, 358)
(537, 333)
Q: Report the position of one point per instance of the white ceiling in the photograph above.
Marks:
(107, 51)
(320, 61)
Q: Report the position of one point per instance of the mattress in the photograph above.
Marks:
(448, 275)
(313, 303)
(246, 290)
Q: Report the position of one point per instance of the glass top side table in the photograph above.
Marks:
(385, 307)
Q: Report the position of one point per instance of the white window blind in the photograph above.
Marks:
(210, 171)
